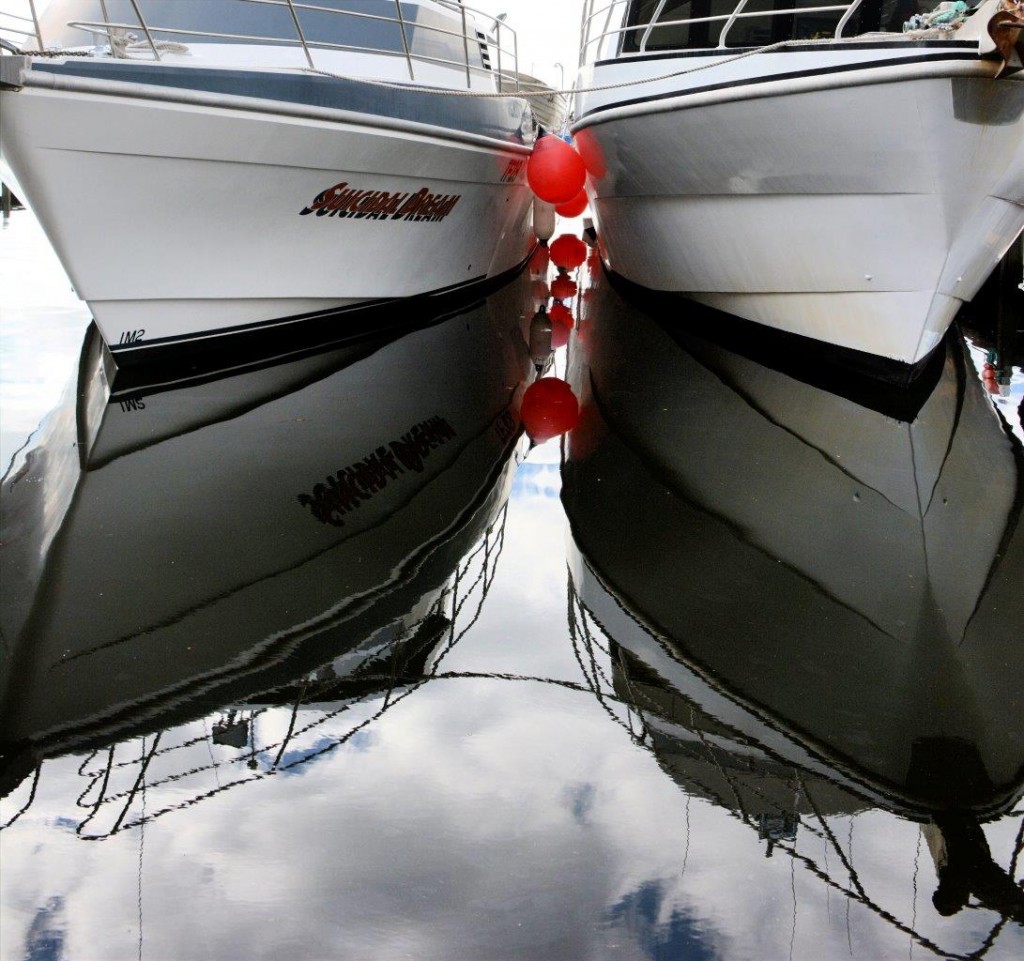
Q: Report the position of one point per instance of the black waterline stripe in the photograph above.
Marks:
(772, 78)
(115, 349)
(818, 48)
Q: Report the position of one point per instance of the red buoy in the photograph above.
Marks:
(549, 408)
(563, 287)
(574, 207)
(555, 171)
(568, 251)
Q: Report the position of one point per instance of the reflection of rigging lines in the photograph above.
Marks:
(387, 677)
(585, 633)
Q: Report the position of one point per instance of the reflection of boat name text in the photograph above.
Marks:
(343, 201)
(346, 491)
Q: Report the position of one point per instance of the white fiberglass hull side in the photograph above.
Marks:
(178, 219)
(859, 207)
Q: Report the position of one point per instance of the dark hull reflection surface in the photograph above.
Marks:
(319, 659)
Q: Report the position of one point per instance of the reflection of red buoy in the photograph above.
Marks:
(591, 153)
(555, 171)
(540, 261)
(563, 287)
(562, 314)
(562, 323)
(568, 251)
(559, 334)
(574, 207)
(540, 291)
(549, 408)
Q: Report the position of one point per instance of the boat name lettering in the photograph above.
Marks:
(349, 488)
(512, 171)
(341, 200)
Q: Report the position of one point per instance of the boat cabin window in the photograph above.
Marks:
(707, 18)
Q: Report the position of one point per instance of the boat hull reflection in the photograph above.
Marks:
(837, 584)
(228, 537)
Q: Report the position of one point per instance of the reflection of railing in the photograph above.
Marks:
(594, 32)
(479, 31)
(284, 730)
(601, 662)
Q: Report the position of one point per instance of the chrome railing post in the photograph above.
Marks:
(651, 24)
(298, 30)
(584, 23)
(497, 43)
(405, 39)
(846, 16)
(35, 23)
(608, 20)
(465, 47)
(736, 12)
(145, 29)
(515, 57)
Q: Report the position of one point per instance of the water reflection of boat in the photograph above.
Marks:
(816, 168)
(838, 585)
(250, 164)
(169, 555)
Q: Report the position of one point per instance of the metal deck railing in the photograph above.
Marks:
(489, 47)
(605, 19)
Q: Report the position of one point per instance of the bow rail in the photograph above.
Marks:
(614, 27)
(439, 33)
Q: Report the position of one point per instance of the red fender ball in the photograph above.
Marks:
(555, 171)
(574, 207)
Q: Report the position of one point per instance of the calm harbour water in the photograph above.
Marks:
(322, 661)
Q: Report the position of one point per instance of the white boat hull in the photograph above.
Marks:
(178, 215)
(856, 207)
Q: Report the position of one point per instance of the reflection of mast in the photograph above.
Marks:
(656, 714)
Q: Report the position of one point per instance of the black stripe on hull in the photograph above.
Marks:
(815, 48)
(196, 355)
(771, 78)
